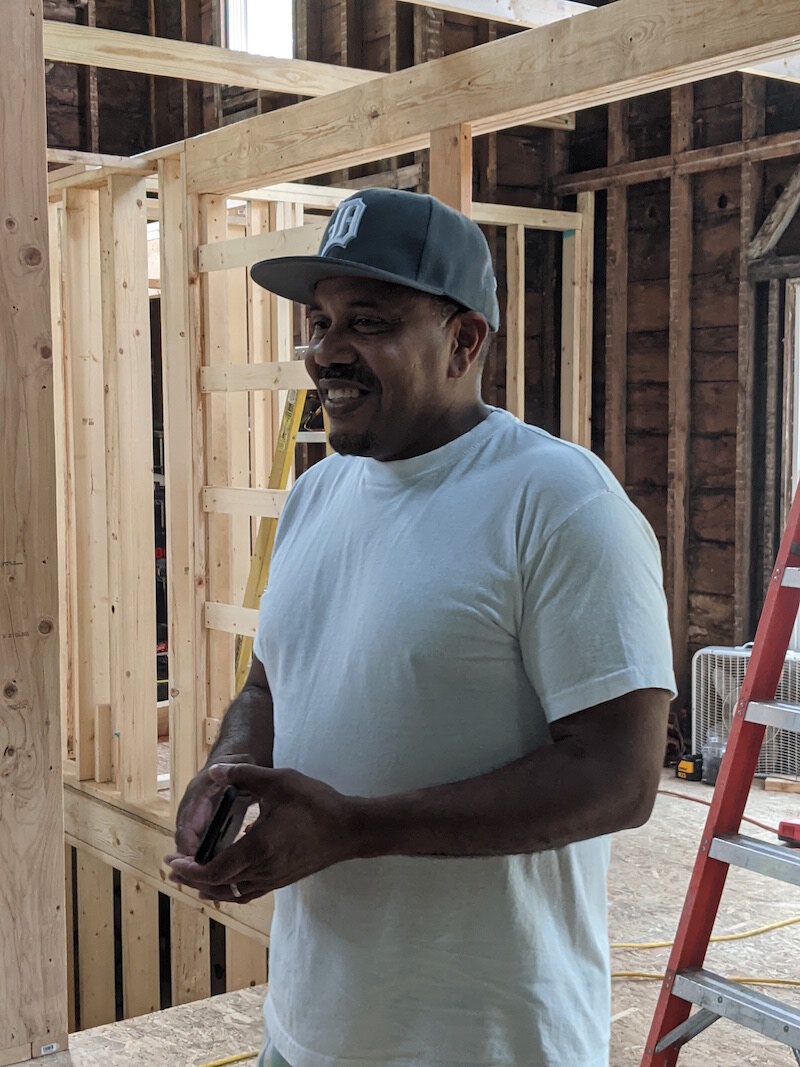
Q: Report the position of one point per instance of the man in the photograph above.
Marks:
(464, 636)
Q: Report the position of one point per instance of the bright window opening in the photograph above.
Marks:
(263, 27)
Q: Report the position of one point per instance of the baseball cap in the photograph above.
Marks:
(410, 239)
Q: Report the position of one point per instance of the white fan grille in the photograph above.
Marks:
(717, 676)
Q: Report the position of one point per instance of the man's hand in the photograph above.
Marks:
(197, 807)
(304, 826)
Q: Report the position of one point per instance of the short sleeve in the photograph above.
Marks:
(594, 614)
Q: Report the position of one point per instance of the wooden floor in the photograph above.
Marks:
(649, 873)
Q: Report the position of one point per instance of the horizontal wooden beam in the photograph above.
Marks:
(634, 47)
(762, 270)
(241, 377)
(114, 50)
(244, 251)
(693, 161)
(534, 218)
(232, 500)
(134, 846)
(230, 618)
(516, 12)
(91, 159)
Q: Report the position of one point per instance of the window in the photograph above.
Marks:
(263, 27)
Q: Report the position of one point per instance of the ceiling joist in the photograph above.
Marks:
(626, 49)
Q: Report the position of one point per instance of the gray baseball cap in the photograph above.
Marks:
(395, 236)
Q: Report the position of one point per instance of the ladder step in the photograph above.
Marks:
(791, 577)
(741, 1004)
(774, 861)
(774, 713)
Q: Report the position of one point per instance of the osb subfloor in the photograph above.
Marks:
(649, 874)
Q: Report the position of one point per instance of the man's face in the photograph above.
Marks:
(379, 355)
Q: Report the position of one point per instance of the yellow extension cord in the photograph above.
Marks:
(238, 1058)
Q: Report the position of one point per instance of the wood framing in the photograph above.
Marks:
(129, 482)
(451, 166)
(33, 1008)
(515, 320)
(778, 219)
(680, 390)
(616, 414)
(523, 78)
(195, 62)
(95, 941)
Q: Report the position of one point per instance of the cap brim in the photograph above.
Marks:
(296, 276)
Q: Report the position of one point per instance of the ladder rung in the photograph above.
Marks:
(791, 577)
(774, 861)
(740, 1004)
(774, 713)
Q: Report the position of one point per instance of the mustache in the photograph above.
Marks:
(349, 372)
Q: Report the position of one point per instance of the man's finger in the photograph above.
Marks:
(245, 776)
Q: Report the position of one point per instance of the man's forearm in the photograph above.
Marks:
(564, 792)
(247, 727)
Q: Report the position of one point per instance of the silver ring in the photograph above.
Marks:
(235, 889)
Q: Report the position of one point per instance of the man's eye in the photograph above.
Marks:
(368, 324)
(317, 324)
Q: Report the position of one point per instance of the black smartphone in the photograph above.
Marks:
(218, 827)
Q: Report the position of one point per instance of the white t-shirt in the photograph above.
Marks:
(425, 620)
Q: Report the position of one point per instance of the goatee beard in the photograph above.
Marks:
(353, 444)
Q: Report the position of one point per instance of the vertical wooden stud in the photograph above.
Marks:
(585, 341)
(184, 467)
(95, 941)
(140, 966)
(451, 166)
(129, 480)
(190, 939)
(616, 415)
(515, 320)
(84, 341)
(213, 226)
(245, 961)
(33, 1008)
(240, 436)
(571, 309)
(770, 533)
(103, 743)
(69, 899)
(680, 391)
(753, 125)
(260, 350)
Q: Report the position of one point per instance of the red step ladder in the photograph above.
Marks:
(686, 982)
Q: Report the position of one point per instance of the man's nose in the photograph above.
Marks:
(332, 347)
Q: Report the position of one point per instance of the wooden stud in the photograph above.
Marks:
(129, 480)
(69, 900)
(243, 251)
(224, 618)
(213, 226)
(789, 407)
(259, 353)
(572, 361)
(616, 416)
(184, 466)
(245, 962)
(680, 392)
(33, 1007)
(515, 320)
(103, 745)
(773, 459)
(753, 120)
(84, 345)
(451, 166)
(240, 432)
(95, 941)
(523, 78)
(140, 949)
(65, 497)
(586, 338)
(191, 958)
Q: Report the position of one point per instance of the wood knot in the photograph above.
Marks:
(10, 224)
(30, 256)
(45, 627)
(46, 352)
(9, 691)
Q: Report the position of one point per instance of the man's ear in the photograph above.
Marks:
(471, 329)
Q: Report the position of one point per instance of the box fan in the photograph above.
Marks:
(717, 676)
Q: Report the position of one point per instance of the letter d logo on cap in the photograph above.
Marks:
(344, 224)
